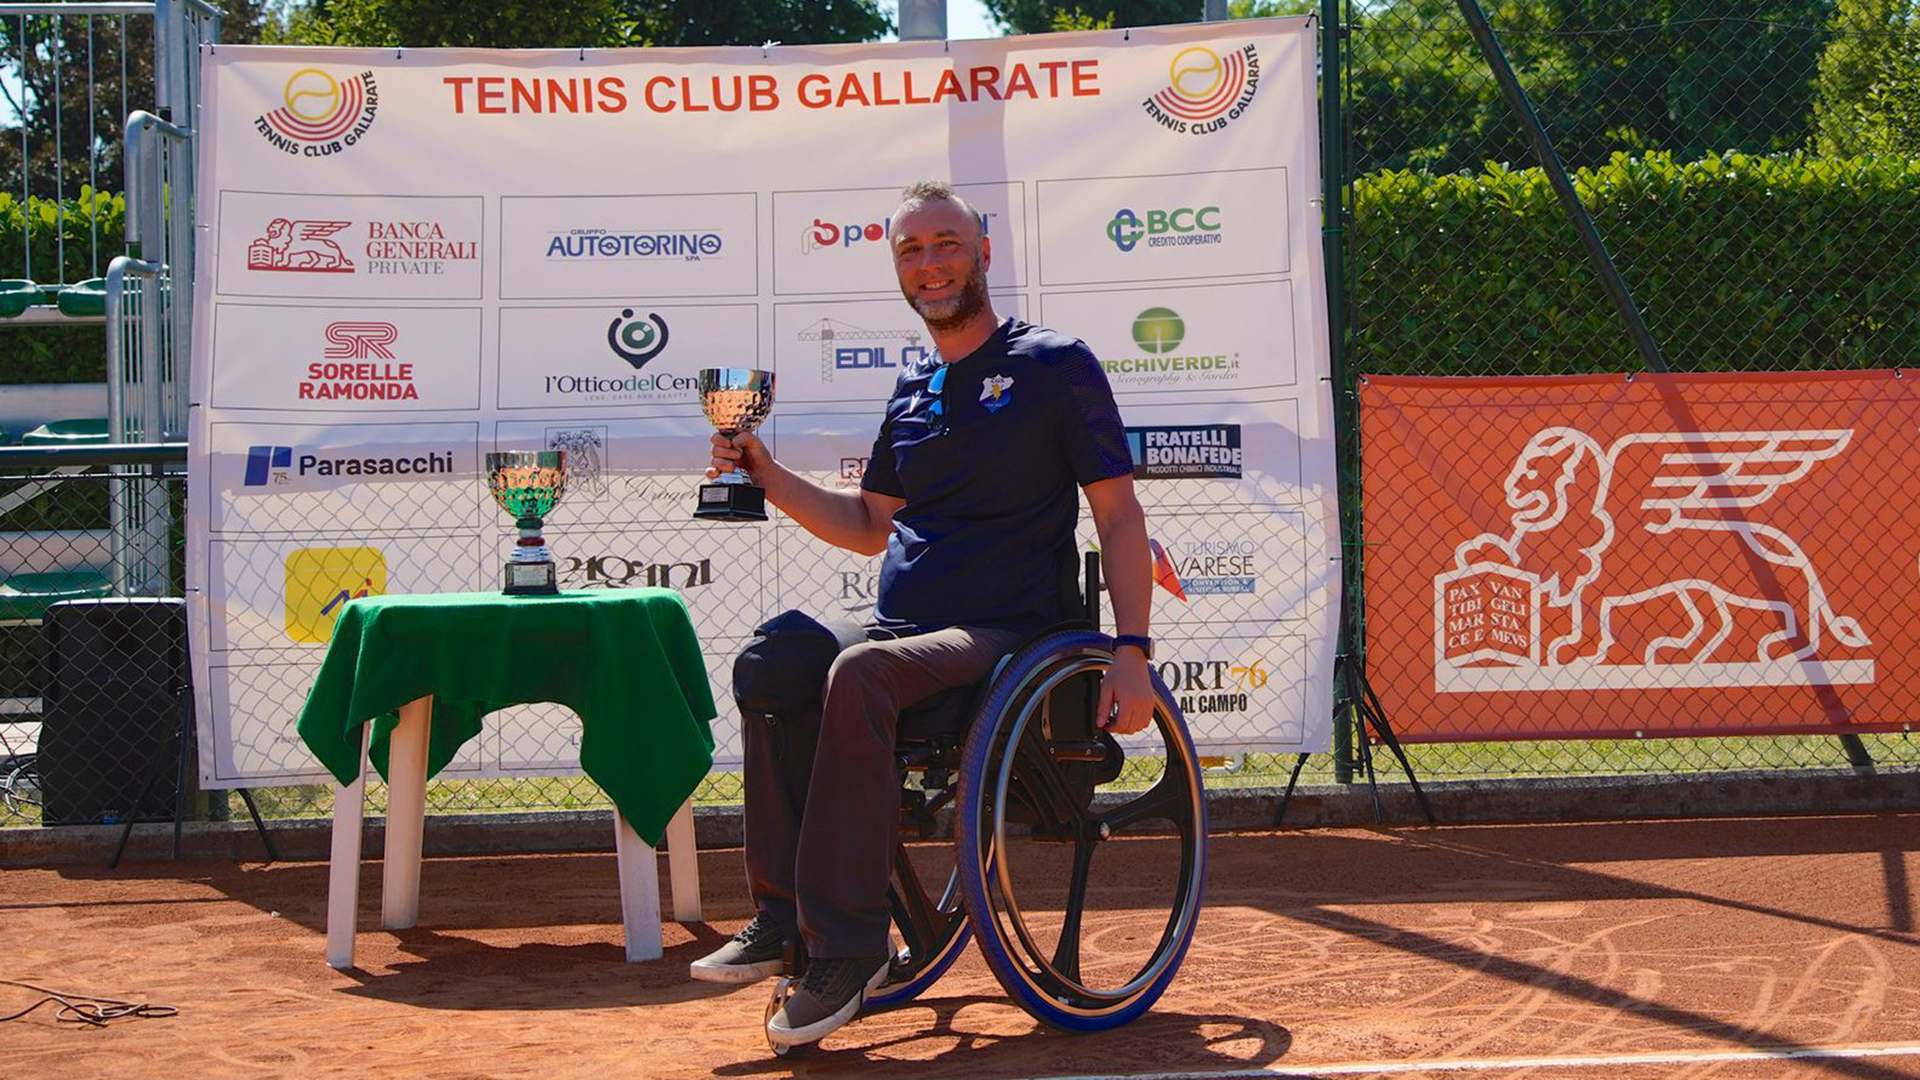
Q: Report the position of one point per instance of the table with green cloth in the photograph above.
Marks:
(626, 661)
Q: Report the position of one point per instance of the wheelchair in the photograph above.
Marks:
(1017, 772)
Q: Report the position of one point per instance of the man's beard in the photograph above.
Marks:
(957, 310)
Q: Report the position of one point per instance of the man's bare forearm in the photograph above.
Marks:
(841, 518)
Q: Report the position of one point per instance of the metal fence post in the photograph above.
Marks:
(1346, 438)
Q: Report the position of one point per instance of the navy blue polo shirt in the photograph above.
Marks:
(986, 535)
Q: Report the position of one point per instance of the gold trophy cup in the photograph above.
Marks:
(736, 400)
(528, 484)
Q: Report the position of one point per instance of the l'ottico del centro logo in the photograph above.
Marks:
(320, 114)
(1205, 90)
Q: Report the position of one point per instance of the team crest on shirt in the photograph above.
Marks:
(993, 392)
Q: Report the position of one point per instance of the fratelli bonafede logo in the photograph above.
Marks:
(1205, 90)
(321, 115)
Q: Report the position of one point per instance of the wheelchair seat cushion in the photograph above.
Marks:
(945, 713)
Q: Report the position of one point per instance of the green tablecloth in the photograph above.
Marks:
(625, 660)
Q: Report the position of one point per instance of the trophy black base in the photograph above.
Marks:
(532, 579)
(732, 502)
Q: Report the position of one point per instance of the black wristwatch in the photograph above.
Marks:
(1144, 644)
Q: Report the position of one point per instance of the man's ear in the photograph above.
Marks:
(986, 251)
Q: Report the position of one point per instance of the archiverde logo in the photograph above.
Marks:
(637, 340)
(1159, 330)
(1179, 227)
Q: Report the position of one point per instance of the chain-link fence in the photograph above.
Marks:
(1754, 166)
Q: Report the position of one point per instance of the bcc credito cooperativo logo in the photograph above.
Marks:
(320, 114)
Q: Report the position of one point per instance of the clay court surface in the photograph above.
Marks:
(1321, 953)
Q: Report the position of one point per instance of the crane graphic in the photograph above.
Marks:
(830, 332)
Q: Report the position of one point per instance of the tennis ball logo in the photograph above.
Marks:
(1159, 330)
(1196, 73)
(312, 95)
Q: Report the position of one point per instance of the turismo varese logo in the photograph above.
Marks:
(320, 114)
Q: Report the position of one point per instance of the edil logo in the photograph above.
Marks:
(868, 357)
(264, 463)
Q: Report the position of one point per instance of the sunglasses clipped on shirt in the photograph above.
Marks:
(937, 410)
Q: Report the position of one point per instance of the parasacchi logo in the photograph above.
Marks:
(1205, 90)
(279, 465)
(1180, 227)
(320, 115)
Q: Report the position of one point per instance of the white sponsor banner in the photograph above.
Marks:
(411, 259)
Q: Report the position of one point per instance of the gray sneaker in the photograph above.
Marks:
(829, 995)
(757, 952)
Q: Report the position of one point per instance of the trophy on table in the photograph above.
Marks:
(735, 400)
(528, 484)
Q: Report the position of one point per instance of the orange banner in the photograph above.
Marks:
(1628, 556)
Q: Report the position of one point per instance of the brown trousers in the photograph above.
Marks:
(823, 794)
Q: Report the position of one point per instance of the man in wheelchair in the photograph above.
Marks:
(970, 492)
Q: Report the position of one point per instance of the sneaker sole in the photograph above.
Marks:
(820, 1029)
(734, 974)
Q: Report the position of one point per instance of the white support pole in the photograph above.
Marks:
(406, 815)
(1215, 11)
(343, 869)
(639, 892)
(683, 865)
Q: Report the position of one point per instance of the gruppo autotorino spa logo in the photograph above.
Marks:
(599, 245)
(384, 248)
(1179, 227)
(360, 365)
(1159, 332)
(321, 114)
(1205, 90)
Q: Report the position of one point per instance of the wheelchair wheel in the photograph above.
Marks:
(932, 931)
(1041, 791)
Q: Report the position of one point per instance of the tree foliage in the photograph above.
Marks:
(537, 24)
(1868, 101)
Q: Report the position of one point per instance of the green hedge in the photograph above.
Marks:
(56, 354)
(1739, 262)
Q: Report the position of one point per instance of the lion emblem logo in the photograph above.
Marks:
(303, 246)
(1648, 563)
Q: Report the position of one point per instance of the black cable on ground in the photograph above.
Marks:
(89, 1009)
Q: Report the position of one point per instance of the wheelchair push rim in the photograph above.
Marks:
(1051, 983)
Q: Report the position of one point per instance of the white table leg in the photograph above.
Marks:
(639, 892)
(343, 869)
(683, 865)
(406, 815)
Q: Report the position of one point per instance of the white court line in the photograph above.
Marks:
(1385, 1068)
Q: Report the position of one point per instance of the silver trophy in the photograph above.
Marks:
(528, 484)
(735, 400)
